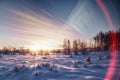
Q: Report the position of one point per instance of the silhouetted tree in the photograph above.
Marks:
(65, 46)
(68, 47)
(75, 47)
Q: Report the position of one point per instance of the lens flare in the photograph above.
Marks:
(112, 65)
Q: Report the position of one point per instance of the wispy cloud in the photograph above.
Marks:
(37, 27)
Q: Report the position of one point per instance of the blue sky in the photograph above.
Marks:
(48, 22)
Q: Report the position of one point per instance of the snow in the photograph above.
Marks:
(54, 67)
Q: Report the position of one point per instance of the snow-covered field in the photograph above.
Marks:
(54, 67)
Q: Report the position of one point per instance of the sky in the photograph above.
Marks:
(45, 23)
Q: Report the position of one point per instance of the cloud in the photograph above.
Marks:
(37, 28)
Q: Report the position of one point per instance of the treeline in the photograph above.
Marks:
(101, 41)
(13, 51)
(105, 40)
(75, 46)
(9, 50)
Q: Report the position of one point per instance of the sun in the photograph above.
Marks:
(38, 47)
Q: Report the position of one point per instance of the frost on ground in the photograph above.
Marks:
(54, 67)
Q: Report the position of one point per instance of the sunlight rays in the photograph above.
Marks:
(38, 29)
